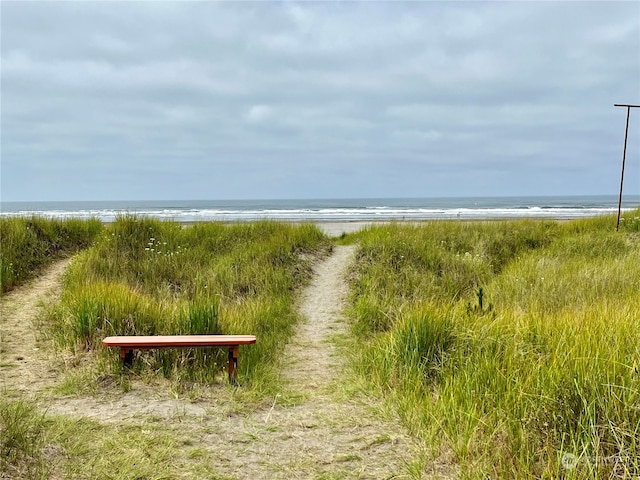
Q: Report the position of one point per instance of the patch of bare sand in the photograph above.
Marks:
(321, 436)
(25, 364)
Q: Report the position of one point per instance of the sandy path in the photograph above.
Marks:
(25, 366)
(326, 434)
(311, 353)
(322, 436)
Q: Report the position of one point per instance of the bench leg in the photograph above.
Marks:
(126, 354)
(233, 365)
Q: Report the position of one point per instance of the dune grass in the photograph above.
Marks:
(28, 244)
(145, 276)
(21, 439)
(514, 345)
(149, 277)
(34, 445)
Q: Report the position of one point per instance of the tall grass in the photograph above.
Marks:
(28, 244)
(445, 263)
(21, 439)
(516, 345)
(148, 277)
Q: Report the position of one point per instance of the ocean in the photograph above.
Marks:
(333, 210)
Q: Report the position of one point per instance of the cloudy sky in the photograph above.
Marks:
(242, 100)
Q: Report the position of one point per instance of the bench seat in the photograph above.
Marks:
(148, 342)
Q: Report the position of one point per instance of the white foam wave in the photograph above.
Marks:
(324, 214)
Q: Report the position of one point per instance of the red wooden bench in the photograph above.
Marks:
(139, 342)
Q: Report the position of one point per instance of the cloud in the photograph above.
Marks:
(405, 96)
(259, 113)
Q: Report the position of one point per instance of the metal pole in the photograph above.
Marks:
(624, 157)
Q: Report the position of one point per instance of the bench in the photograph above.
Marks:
(139, 342)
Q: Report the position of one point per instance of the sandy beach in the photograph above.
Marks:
(335, 229)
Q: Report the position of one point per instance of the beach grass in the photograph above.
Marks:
(21, 439)
(27, 244)
(150, 277)
(34, 445)
(512, 348)
(515, 345)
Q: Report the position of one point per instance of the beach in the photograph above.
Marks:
(335, 229)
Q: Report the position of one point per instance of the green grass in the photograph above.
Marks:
(28, 244)
(34, 446)
(148, 277)
(511, 344)
(21, 439)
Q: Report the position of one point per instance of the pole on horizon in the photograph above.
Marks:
(624, 156)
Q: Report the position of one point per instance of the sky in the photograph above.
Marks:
(280, 100)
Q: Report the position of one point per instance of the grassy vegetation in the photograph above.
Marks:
(148, 277)
(514, 345)
(28, 244)
(144, 276)
(21, 429)
(34, 446)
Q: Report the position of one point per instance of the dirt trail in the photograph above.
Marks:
(311, 353)
(323, 435)
(25, 367)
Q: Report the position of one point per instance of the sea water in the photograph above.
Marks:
(332, 210)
